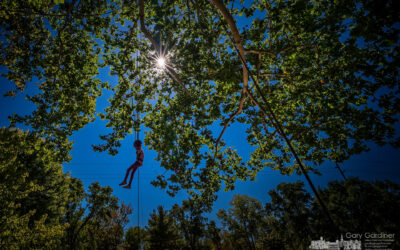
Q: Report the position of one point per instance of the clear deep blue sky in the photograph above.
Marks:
(89, 166)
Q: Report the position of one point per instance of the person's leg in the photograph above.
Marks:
(134, 168)
(126, 175)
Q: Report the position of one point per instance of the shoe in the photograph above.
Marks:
(122, 183)
(127, 186)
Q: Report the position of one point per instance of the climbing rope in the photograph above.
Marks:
(136, 126)
(278, 126)
(341, 171)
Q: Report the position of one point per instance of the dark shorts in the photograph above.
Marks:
(138, 163)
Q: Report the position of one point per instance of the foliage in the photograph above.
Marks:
(361, 206)
(245, 222)
(101, 227)
(328, 70)
(191, 223)
(293, 218)
(213, 236)
(74, 212)
(135, 238)
(289, 212)
(41, 207)
(162, 231)
(57, 51)
(33, 191)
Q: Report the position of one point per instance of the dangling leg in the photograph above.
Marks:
(134, 168)
(126, 175)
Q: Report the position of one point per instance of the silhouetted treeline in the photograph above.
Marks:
(290, 220)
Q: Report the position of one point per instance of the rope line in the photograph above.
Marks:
(278, 126)
(138, 170)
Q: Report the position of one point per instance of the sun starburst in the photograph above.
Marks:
(161, 62)
(161, 58)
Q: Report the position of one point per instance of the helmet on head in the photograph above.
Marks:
(137, 143)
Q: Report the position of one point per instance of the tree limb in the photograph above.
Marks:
(236, 36)
(189, 12)
(197, 10)
(143, 27)
(273, 74)
(298, 47)
(268, 8)
(259, 65)
(241, 102)
(259, 51)
(157, 46)
(306, 129)
(255, 102)
(59, 39)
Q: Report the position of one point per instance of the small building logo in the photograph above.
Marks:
(336, 245)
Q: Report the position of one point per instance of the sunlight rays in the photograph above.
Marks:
(161, 59)
(161, 62)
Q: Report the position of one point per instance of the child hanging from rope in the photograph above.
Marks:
(138, 163)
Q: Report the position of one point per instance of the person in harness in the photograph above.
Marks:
(138, 163)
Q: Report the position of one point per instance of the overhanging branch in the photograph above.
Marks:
(156, 46)
(268, 109)
(236, 36)
(242, 98)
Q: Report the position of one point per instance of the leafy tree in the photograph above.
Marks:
(244, 221)
(135, 238)
(191, 223)
(361, 206)
(33, 191)
(100, 224)
(107, 231)
(294, 218)
(74, 213)
(324, 79)
(213, 235)
(57, 51)
(162, 231)
(289, 216)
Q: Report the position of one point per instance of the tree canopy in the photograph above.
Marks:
(318, 78)
(33, 191)
(43, 208)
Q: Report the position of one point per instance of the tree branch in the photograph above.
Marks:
(241, 102)
(197, 10)
(157, 46)
(273, 74)
(259, 65)
(189, 12)
(143, 27)
(59, 39)
(255, 102)
(268, 8)
(259, 51)
(236, 36)
(298, 47)
(306, 129)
